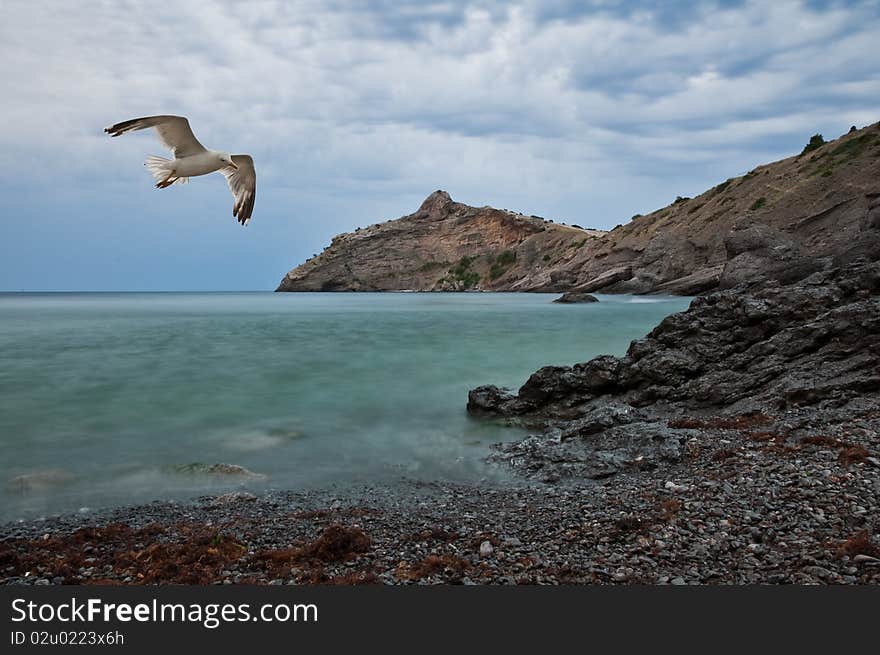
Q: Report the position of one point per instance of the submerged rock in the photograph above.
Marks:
(218, 470)
(572, 297)
(39, 481)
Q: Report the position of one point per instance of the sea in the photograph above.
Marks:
(113, 399)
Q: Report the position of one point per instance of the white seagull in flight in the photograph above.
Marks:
(191, 158)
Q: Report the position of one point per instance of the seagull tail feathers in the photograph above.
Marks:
(161, 169)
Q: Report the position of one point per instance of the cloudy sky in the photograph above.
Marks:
(585, 112)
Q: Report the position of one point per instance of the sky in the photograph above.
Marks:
(583, 112)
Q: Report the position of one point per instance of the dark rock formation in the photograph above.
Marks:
(575, 297)
(751, 351)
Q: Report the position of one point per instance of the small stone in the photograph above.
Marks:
(678, 581)
(486, 548)
(865, 558)
(817, 571)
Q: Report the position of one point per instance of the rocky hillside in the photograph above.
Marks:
(444, 246)
(776, 220)
(779, 221)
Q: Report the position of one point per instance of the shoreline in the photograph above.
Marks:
(735, 510)
(737, 443)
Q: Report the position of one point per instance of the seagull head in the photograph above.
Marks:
(226, 158)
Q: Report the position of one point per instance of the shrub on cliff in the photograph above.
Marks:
(504, 260)
(462, 274)
(816, 141)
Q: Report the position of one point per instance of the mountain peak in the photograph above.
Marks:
(435, 202)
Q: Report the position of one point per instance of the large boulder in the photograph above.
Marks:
(757, 252)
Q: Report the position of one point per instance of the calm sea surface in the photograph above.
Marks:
(108, 398)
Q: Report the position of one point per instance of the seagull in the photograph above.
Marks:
(191, 158)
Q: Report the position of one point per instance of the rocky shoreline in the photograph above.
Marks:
(737, 509)
(744, 359)
(737, 443)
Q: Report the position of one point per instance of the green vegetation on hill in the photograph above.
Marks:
(827, 162)
(463, 274)
(501, 264)
(816, 141)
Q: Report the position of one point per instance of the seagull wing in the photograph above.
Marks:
(173, 131)
(243, 184)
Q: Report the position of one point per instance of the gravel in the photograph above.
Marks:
(771, 510)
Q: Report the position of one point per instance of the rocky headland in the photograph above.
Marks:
(444, 246)
(781, 219)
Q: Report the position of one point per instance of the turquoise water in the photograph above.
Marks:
(103, 395)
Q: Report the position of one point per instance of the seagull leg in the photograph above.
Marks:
(168, 181)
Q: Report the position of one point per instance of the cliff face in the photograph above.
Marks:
(780, 221)
(445, 246)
